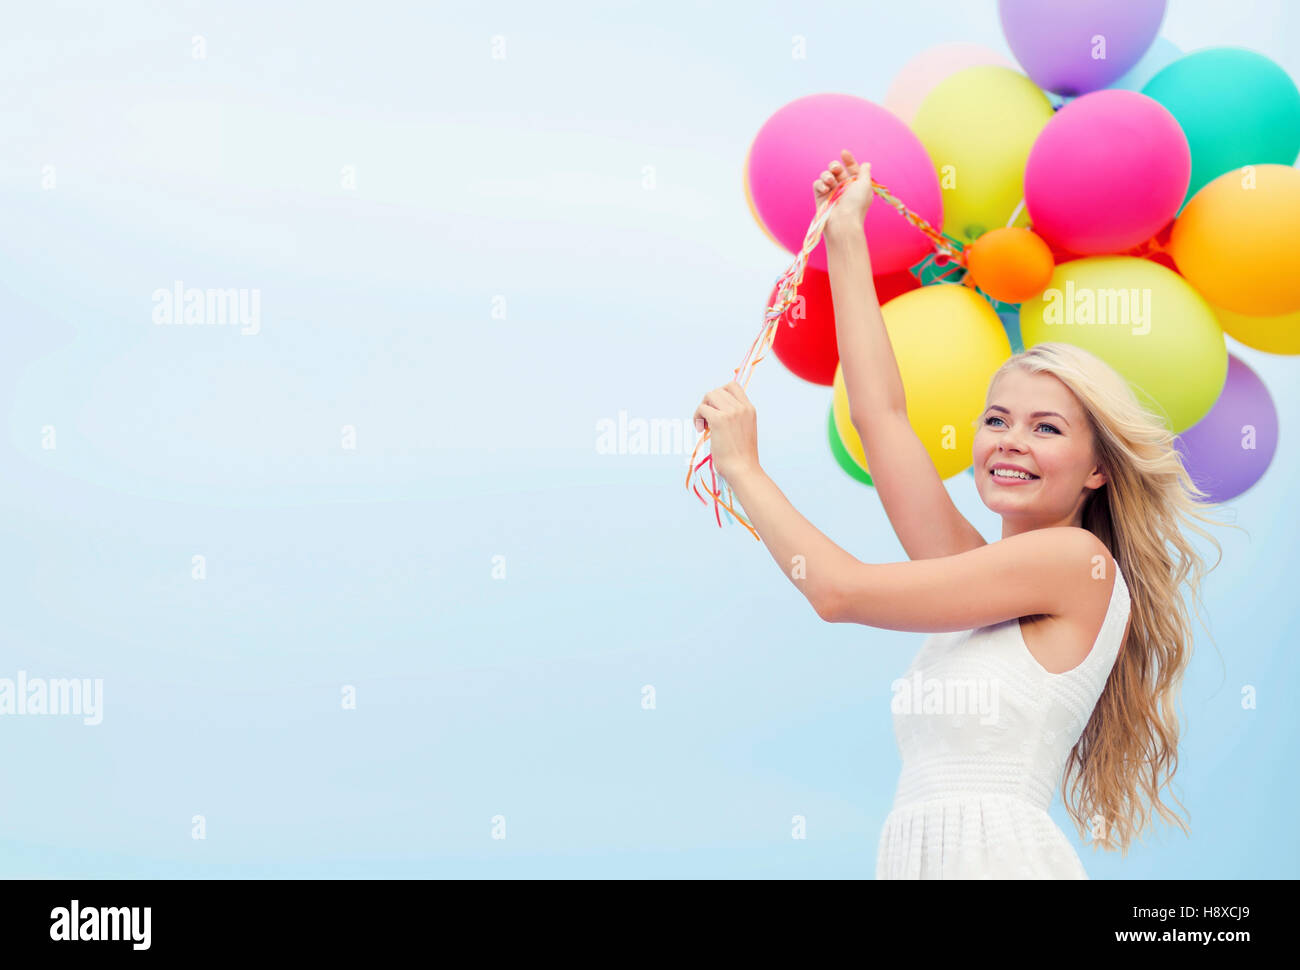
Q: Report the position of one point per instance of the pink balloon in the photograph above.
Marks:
(796, 144)
(1107, 173)
(922, 73)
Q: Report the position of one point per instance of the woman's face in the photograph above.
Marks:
(1035, 424)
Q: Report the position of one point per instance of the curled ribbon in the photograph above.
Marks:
(787, 286)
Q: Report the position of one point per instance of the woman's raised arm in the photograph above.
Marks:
(1062, 571)
(919, 507)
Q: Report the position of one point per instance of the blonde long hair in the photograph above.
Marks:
(1129, 750)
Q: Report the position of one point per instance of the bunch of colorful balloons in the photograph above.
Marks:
(1112, 192)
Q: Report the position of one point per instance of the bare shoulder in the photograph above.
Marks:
(1079, 542)
(1085, 564)
(1085, 568)
(1068, 550)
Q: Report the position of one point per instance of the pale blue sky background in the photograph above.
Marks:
(475, 179)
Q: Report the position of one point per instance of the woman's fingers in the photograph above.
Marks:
(704, 415)
(836, 172)
(843, 171)
(736, 391)
(718, 401)
(854, 167)
(700, 418)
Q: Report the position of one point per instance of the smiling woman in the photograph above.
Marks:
(1076, 609)
(1034, 452)
(1063, 441)
(1075, 612)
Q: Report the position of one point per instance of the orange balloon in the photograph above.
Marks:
(1231, 241)
(1011, 265)
(1274, 335)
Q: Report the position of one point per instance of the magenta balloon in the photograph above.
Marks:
(794, 147)
(1106, 173)
(1072, 47)
(1229, 449)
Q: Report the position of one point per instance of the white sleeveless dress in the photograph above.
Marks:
(984, 732)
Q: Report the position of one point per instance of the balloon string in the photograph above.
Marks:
(786, 289)
(1015, 215)
(942, 243)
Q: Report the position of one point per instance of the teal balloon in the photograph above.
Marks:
(1236, 108)
(1159, 55)
(1011, 324)
(842, 456)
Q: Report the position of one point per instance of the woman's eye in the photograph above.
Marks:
(1050, 427)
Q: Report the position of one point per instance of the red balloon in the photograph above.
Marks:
(1154, 249)
(891, 285)
(805, 336)
(1060, 255)
(1161, 255)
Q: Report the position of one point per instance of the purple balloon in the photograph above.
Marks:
(1071, 47)
(1229, 449)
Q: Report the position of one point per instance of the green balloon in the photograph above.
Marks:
(1236, 108)
(841, 453)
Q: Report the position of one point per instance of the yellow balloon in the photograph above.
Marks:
(948, 343)
(749, 198)
(920, 74)
(1276, 335)
(978, 127)
(1144, 320)
(1231, 241)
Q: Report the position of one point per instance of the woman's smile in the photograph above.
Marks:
(1007, 474)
